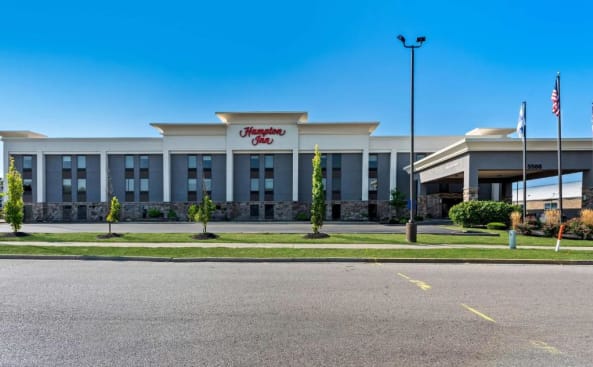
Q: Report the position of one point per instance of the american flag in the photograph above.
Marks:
(556, 99)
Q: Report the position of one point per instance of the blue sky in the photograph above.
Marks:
(109, 68)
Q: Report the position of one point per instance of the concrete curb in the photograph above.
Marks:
(295, 260)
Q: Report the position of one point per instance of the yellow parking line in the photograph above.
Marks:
(422, 285)
(544, 346)
(478, 313)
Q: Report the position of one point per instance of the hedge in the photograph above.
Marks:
(474, 213)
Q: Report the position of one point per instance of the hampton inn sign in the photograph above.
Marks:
(261, 136)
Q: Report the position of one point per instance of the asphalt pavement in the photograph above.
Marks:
(328, 314)
(232, 227)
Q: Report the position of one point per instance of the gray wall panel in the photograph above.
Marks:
(93, 178)
(352, 176)
(403, 178)
(116, 181)
(283, 177)
(155, 175)
(179, 177)
(53, 178)
(241, 180)
(219, 177)
(305, 172)
(383, 176)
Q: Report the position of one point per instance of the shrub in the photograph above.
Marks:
(552, 217)
(304, 216)
(154, 213)
(191, 212)
(579, 228)
(496, 225)
(471, 213)
(587, 217)
(171, 214)
(515, 219)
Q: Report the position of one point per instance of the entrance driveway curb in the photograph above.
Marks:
(295, 260)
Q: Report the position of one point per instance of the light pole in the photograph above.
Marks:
(411, 225)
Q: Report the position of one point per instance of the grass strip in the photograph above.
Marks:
(541, 254)
(291, 238)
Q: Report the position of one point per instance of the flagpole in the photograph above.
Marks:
(559, 146)
(524, 106)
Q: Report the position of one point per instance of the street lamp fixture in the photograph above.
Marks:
(411, 229)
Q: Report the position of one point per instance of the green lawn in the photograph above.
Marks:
(349, 238)
(547, 254)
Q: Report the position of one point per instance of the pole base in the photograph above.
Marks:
(411, 232)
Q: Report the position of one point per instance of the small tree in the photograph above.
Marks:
(114, 211)
(205, 210)
(397, 201)
(318, 199)
(191, 213)
(13, 210)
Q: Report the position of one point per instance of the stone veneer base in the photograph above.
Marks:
(231, 211)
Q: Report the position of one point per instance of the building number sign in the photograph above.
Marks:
(261, 136)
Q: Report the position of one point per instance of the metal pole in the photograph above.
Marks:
(560, 149)
(411, 229)
(524, 161)
(411, 225)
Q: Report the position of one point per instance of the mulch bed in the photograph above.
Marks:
(13, 234)
(312, 236)
(204, 236)
(105, 236)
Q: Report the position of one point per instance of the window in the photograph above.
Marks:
(81, 189)
(551, 205)
(81, 162)
(254, 162)
(130, 184)
(254, 184)
(27, 186)
(373, 161)
(373, 181)
(207, 161)
(129, 189)
(143, 184)
(144, 162)
(336, 176)
(269, 161)
(192, 189)
(420, 156)
(129, 162)
(269, 184)
(144, 189)
(27, 162)
(373, 184)
(254, 189)
(192, 184)
(192, 162)
(207, 184)
(66, 162)
(66, 189)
